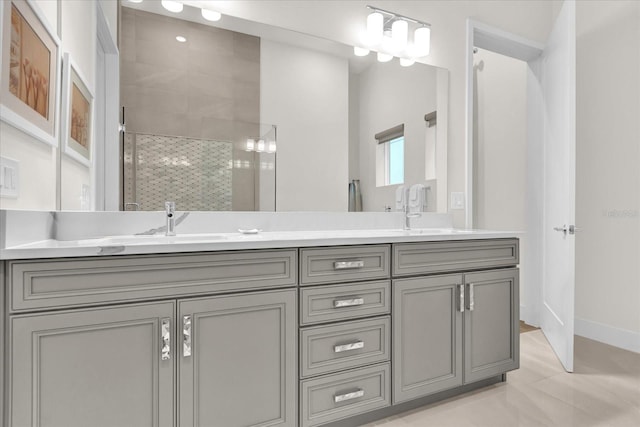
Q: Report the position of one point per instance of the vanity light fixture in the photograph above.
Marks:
(384, 57)
(172, 6)
(407, 62)
(360, 51)
(211, 15)
(388, 34)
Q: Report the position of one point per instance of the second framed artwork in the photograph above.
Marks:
(77, 114)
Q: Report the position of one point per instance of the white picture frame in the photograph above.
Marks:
(76, 118)
(30, 71)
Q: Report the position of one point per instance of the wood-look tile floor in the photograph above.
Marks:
(604, 390)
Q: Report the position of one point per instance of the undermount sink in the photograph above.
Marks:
(160, 239)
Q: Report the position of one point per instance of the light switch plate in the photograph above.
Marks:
(457, 200)
(9, 178)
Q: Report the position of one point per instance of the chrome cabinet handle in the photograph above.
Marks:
(347, 265)
(351, 302)
(165, 335)
(461, 303)
(471, 299)
(348, 396)
(348, 347)
(186, 336)
(564, 229)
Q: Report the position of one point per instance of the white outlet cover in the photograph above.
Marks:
(457, 200)
(9, 178)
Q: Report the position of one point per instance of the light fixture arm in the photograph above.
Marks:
(393, 15)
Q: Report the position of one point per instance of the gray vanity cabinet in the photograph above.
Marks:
(491, 323)
(237, 361)
(427, 335)
(98, 367)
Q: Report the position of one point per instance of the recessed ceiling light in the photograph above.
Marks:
(172, 6)
(211, 15)
(181, 39)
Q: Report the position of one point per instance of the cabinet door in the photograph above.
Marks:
(98, 367)
(237, 366)
(491, 324)
(427, 336)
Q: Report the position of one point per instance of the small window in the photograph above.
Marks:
(390, 157)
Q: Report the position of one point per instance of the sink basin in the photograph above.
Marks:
(155, 240)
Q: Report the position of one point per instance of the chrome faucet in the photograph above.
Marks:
(408, 214)
(170, 209)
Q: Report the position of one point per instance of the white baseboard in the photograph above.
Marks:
(623, 338)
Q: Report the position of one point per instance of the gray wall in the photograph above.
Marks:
(208, 87)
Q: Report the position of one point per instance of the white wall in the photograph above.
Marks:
(38, 169)
(384, 106)
(608, 177)
(305, 94)
(500, 150)
(345, 21)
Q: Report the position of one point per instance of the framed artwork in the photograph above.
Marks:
(29, 71)
(77, 114)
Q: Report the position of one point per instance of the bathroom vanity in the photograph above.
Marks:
(306, 332)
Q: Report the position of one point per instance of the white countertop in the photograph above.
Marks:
(158, 244)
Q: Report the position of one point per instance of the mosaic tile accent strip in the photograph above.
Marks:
(194, 173)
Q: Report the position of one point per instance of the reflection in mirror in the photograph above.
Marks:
(217, 88)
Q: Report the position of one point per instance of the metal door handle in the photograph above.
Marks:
(564, 229)
(186, 336)
(348, 396)
(471, 298)
(165, 336)
(461, 287)
(573, 229)
(348, 302)
(348, 347)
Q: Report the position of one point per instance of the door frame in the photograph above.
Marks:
(502, 42)
(106, 177)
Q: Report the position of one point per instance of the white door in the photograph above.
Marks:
(559, 94)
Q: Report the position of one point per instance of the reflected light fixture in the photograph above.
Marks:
(360, 51)
(181, 39)
(135, 1)
(251, 144)
(172, 6)
(271, 146)
(260, 146)
(211, 15)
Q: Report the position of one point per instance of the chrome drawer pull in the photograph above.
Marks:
(165, 335)
(461, 298)
(347, 347)
(346, 265)
(348, 396)
(186, 336)
(471, 298)
(351, 302)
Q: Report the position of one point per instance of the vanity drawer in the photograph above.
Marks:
(340, 302)
(346, 345)
(437, 257)
(338, 396)
(36, 285)
(344, 264)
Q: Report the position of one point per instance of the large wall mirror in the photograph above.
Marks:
(237, 115)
